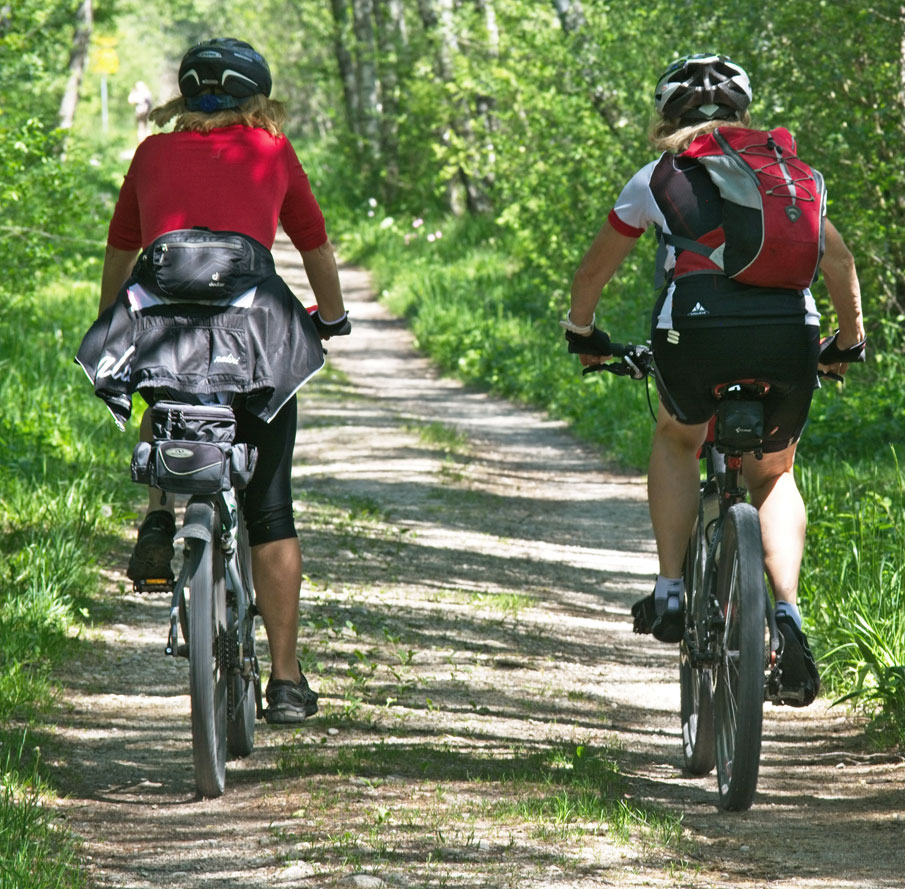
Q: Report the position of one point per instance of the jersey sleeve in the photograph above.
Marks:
(635, 208)
(300, 214)
(124, 231)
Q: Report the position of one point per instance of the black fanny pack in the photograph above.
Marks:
(199, 264)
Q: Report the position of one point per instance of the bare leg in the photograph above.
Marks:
(673, 483)
(783, 519)
(277, 570)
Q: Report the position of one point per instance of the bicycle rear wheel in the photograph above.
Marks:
(739, 681)
(695, 679)
(240, 730)
(207, 679)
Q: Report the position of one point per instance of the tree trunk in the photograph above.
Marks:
(78, 61)
(464, 189)
(573, 22)
(571, 15)
(392, 41)
(366, 76)
(341, 40)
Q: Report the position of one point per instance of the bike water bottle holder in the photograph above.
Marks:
(193, 451)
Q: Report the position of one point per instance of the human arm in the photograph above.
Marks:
(117, 268)
(841, 277)
(323, 276)
(606, 254)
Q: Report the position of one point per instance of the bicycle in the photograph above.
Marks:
(730, 654)
(193, 452)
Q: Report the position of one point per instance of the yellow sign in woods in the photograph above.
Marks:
(104, 59)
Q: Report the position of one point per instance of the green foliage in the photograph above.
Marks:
(854, 583)
(34, 851)
(61, 460)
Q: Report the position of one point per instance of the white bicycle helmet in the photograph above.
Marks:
(703, 87)
(232, 66)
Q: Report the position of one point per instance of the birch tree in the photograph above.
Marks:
(78, 61)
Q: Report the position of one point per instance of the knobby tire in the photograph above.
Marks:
(207, 680)
(695, 682)
(739, 680)
(240, 731)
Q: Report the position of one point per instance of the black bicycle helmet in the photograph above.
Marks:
(232, 66)
(703, 87)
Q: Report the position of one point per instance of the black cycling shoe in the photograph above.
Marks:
(667, 627)
(289, 702)
(799, 680)
(153, 550)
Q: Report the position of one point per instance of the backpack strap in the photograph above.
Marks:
(667, 238)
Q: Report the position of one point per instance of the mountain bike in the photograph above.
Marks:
(730, 653)
(212, 600)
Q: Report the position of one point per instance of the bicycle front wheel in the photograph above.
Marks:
(695, 676)
(739, 681)
(240, 731)
(207, 678)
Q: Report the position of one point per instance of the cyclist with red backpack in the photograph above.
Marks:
(743, 231)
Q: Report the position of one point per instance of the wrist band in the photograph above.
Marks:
(582, 329)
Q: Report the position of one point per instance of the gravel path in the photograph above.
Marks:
(486, 713)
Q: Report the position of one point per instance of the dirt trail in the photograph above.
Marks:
(469, 570)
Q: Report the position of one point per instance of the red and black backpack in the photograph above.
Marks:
(772, 231)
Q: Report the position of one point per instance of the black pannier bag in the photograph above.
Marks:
(198, 264)
(193, 450)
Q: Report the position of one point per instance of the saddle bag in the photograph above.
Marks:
(740, 425)
(193, 451)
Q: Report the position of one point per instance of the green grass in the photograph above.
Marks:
(443, 437)
(556, 793)
(64, 494)
(854, 584)
(35, 852)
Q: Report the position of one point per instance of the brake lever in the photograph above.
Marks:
(619, 368)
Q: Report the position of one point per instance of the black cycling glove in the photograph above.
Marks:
(326, 329)
(830, 353)
(597, 342)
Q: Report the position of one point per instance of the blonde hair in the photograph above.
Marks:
(670, 135)
(255, 111)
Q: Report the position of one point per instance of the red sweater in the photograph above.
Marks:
(235, 179)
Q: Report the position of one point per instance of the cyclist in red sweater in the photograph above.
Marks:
(228, 167)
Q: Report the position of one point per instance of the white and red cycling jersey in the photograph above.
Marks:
(677, 195)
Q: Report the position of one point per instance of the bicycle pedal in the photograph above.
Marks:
(153, 585)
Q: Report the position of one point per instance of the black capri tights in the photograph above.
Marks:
(268, 497)
(690, 364)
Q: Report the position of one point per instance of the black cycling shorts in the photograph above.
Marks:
(785, 355)
(268, 497)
